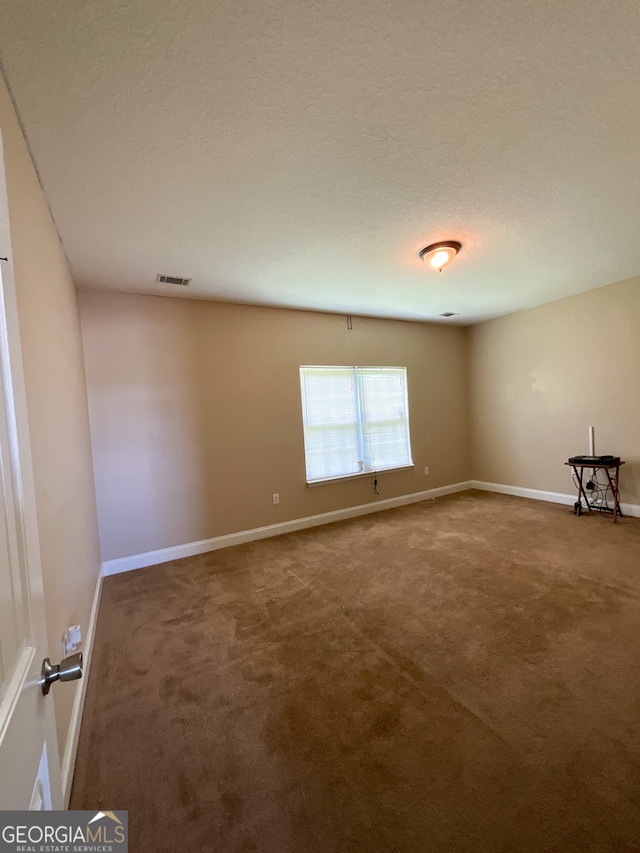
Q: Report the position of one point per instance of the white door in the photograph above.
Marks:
(29, 765)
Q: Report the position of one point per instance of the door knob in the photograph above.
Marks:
(68, 669)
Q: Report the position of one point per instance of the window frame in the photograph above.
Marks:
(371, 472)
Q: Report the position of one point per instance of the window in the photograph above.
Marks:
(355, 419)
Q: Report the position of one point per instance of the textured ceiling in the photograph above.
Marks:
(302, 153)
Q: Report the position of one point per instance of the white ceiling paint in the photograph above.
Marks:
(302, 153)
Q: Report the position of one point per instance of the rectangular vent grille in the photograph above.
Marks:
(450, 314)
(172, 279)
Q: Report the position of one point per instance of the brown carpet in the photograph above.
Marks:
(457, 676)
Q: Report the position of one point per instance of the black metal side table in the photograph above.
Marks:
(612, 471)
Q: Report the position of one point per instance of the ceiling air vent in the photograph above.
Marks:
(450, 314)
(172, 279)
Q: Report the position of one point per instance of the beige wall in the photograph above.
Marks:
(196, 419)
(56, 402)
(539, 378)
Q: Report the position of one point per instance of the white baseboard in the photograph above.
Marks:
(538, 495)
(191, 549)
(630, 509)
(164, 555)
(71, 748)
(518, 491)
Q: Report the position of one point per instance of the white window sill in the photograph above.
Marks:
(359, 476)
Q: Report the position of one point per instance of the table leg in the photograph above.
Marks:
(613, 483)
(581, 491)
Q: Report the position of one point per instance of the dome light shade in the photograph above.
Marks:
(438, 255)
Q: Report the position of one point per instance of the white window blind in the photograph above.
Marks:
(355, 419)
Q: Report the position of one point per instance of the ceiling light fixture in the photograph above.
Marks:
(438, 255)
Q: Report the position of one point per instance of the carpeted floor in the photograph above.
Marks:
(455, 676)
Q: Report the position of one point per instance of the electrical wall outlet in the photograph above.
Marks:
(276, 498)
(426, 471)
